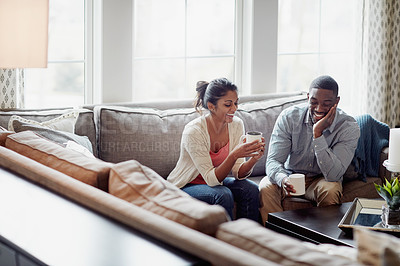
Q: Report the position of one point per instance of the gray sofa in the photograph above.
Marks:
(150, 133)
(137, 145)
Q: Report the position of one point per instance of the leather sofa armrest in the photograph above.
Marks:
(383, 172)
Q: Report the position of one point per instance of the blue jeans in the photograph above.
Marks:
(244, 192)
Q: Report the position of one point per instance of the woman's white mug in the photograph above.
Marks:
(298, 182)
(253, 135)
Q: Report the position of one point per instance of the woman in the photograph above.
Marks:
(212, 146)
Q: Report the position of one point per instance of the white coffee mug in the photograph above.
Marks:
(298, 182)
(252, 136)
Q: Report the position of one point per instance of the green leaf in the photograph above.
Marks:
(388, 185)
(379, 189)
(388, 190)
(395, 186)
(385, 195)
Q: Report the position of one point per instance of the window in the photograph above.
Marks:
(62, 83)
(176, 43)
(316, 37)
(179, 43)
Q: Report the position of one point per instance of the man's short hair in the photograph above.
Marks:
(325, 82)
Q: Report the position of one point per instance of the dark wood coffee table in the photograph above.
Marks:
(316, 224)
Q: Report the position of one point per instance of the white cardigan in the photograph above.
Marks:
(195, 153)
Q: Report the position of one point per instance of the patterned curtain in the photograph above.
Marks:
(11, 88)
(380, 59)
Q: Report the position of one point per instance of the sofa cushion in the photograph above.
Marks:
(84, 126)
(3, 135)
(360, 189)
(276, 247)
(143, 187)
(88, 170)
(261, 116)
(376, 248)
(58, 136)
(150, 136)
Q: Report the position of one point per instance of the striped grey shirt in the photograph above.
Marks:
(292, 148)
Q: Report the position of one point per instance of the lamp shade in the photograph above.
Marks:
(24, 33)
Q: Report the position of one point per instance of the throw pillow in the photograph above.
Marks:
(376, 248)
(58, 136)
(65, 122)
(275, 247)
(143, 187)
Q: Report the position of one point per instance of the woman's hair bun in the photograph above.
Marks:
(200, 85)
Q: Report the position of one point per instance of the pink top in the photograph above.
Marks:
(217, 158)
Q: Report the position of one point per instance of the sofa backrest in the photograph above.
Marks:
(152, 136)
(84, 125)
(149, 136)
(188, 103)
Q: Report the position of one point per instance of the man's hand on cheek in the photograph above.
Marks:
(324, 123)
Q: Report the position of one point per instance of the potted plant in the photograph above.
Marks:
(390, 192)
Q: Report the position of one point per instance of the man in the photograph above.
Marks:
(316, 139)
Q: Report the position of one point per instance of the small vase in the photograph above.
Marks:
(390, 218)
